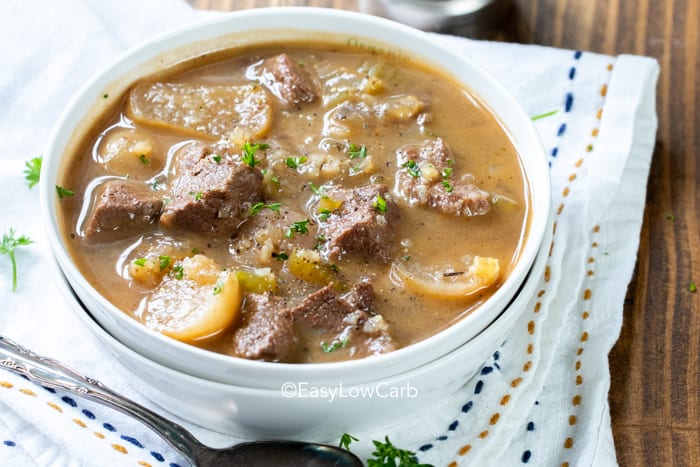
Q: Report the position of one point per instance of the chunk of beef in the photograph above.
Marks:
(346, 318)
(286, 80)
(122, 207)
(363, 225)
(267, 331)
(210, 194)
(426, 178)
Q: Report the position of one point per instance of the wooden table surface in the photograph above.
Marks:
(655, 388)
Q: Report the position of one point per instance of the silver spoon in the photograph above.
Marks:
(53, 374)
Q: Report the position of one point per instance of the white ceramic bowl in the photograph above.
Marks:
(292, 410)
(280, 25)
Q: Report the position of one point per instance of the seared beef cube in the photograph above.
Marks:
(122, 207)
(211, 193)
(364, 225)
(323, 309)
(267, 331)
(286, 80)
(426, 178)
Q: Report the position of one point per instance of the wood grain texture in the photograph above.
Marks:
(655, 377)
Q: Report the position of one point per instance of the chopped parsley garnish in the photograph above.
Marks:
(406, 257)
(197, 195)
(346, 440)
(295, 162)
(275, 180)
(412, 167)
(354, 152)
(249, 151)
(324, 214)
(216, 158)
(105, 96)
(178, 271)
(140, 262)
(7, 247)
(32, 171)
(446, 172)
(328, 348)
(144, 160)
(546, 114)
(280, 256)
(63, 192)
(297, 227)
(164, 262)
(386, 454)
(257, 207)
(447, 185)
(195, 251)
(671, 217)
(317, 190)
(692, 287)
(218, 288)
(379, 204)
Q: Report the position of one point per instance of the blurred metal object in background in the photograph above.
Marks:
(472, 18)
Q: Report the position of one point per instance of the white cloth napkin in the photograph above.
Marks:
(541, 399)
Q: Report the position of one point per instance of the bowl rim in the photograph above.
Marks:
(321, 20)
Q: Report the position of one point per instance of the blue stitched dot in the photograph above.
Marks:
(467, 407)
(109, 427)
(531, 426)
(569, 102)
(577, 54)
(562, 129)
(51, 390)
(526, 457)
(158, 456)
(425, 447)
(453, 426)
(441, 438)
(69, 401)
(498, 367)
(486, 370)
(88, 414)
(496, 355)
(572, 72)
(479, 386)
(133, 441)
(9, 443)
(537, 402)
(555, 151)
(173, 464)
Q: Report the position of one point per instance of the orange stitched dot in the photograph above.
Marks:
(587, 294)
(565, 193)
(54, 406)
(484, 434)
(589, 147)
(599, 115)
(505, 399)
(560, 208)
(28, 392)
(585, 315)
(590, 272)
(99, 435)
(5, 384)
(584, 336)
(579, 162)
(564, 464)
(554, 228)
(120, 448)
(547, 273)
(527, 366)
(604, 90)
(594, 133)
(494, 418)
(551, 247)
(538, 306)
(144, 464)
(530, 349)
(452, 464)
(572, 177)
(578, 365)
(579, 380)
(80, 423)
(465, 449)
(572, 420)
(596, 229)
(540, 294)
(576, 400)
(516, 382)
(591, 260)
(531, 327)
(569, 443)
(594, 244)
(609, 67)
(579, 351)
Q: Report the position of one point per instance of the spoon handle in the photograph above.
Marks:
(53, 374)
